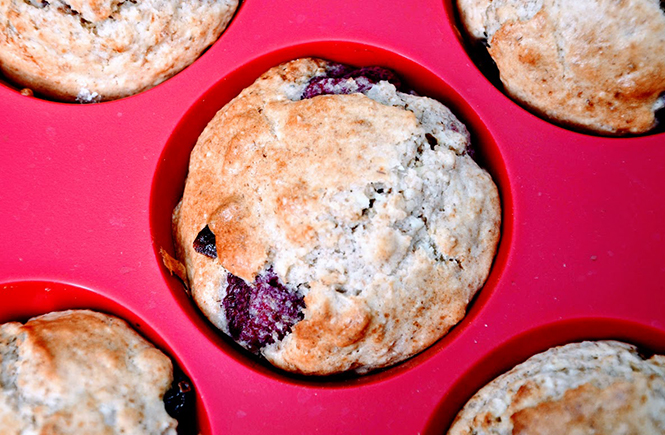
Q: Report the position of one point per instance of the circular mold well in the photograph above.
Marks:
(169, 180)
(519, 348)
(24, 300)
(479, 55)
(12, 86)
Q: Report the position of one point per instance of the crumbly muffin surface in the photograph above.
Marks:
(598, 388)
(366, 205)
(595, 65)
(96, 50)
(81, 372)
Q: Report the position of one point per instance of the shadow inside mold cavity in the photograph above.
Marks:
(169, 180)
(518, 349)
(481, 57)
(660, 113)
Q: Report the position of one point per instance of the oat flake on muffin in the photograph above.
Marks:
(97, 50)
(588, 388)
(331, 222)
(595, 65)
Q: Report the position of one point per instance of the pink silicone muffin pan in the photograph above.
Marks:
(87, 193)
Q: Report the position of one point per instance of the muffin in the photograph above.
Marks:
(88, 51)
(333, 223)
(593, 65)
(76, 372)
(603, 387)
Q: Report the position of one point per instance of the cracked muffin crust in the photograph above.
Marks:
(598, 388)
(74, 372)
(349, 230)
(595, 65)
(97, 50)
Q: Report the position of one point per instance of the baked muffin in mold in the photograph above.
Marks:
(592, 387)
(331, 222)
(597, 66)
(98, 50)
(81, 371)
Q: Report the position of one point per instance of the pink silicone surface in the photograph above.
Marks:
(86, 193)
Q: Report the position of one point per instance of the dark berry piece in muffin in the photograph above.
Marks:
(341, 79)
(205, 243)
(262, 312)
(180, 401)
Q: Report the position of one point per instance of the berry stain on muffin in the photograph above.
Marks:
(342, 79)
(262, 312)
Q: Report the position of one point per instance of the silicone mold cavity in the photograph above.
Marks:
(518, 349)
(88, 191)
(169, 179)
(480, 57)
(24, 300)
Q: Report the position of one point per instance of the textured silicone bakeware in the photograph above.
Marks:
(86, 193)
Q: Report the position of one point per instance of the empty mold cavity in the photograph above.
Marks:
(169, 179)
(24, 300)
(491, 363)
